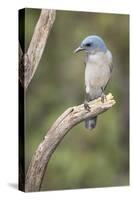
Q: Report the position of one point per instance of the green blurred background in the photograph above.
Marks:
(84, 159)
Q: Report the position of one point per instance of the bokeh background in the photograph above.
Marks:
(84, 159)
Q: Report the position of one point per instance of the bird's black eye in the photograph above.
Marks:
(88, 44)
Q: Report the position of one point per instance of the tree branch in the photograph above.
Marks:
(62, 125)
(30, 60)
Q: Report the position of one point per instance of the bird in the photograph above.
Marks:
(98, 71)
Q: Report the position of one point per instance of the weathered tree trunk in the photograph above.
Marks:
(28, 62)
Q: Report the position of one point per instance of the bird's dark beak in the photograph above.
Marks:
(78, 49)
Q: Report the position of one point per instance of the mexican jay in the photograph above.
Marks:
(97, 72)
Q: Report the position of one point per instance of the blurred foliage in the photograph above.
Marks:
(84, 159)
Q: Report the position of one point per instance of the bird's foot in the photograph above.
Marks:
(86, 106)
(103, 98)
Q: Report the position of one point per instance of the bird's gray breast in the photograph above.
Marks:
(97, 73)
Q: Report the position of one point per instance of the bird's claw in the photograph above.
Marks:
(86, 106)
(103, 98)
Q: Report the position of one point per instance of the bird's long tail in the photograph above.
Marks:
(90, 123)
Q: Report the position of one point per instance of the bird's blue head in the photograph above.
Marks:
(92, 44)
